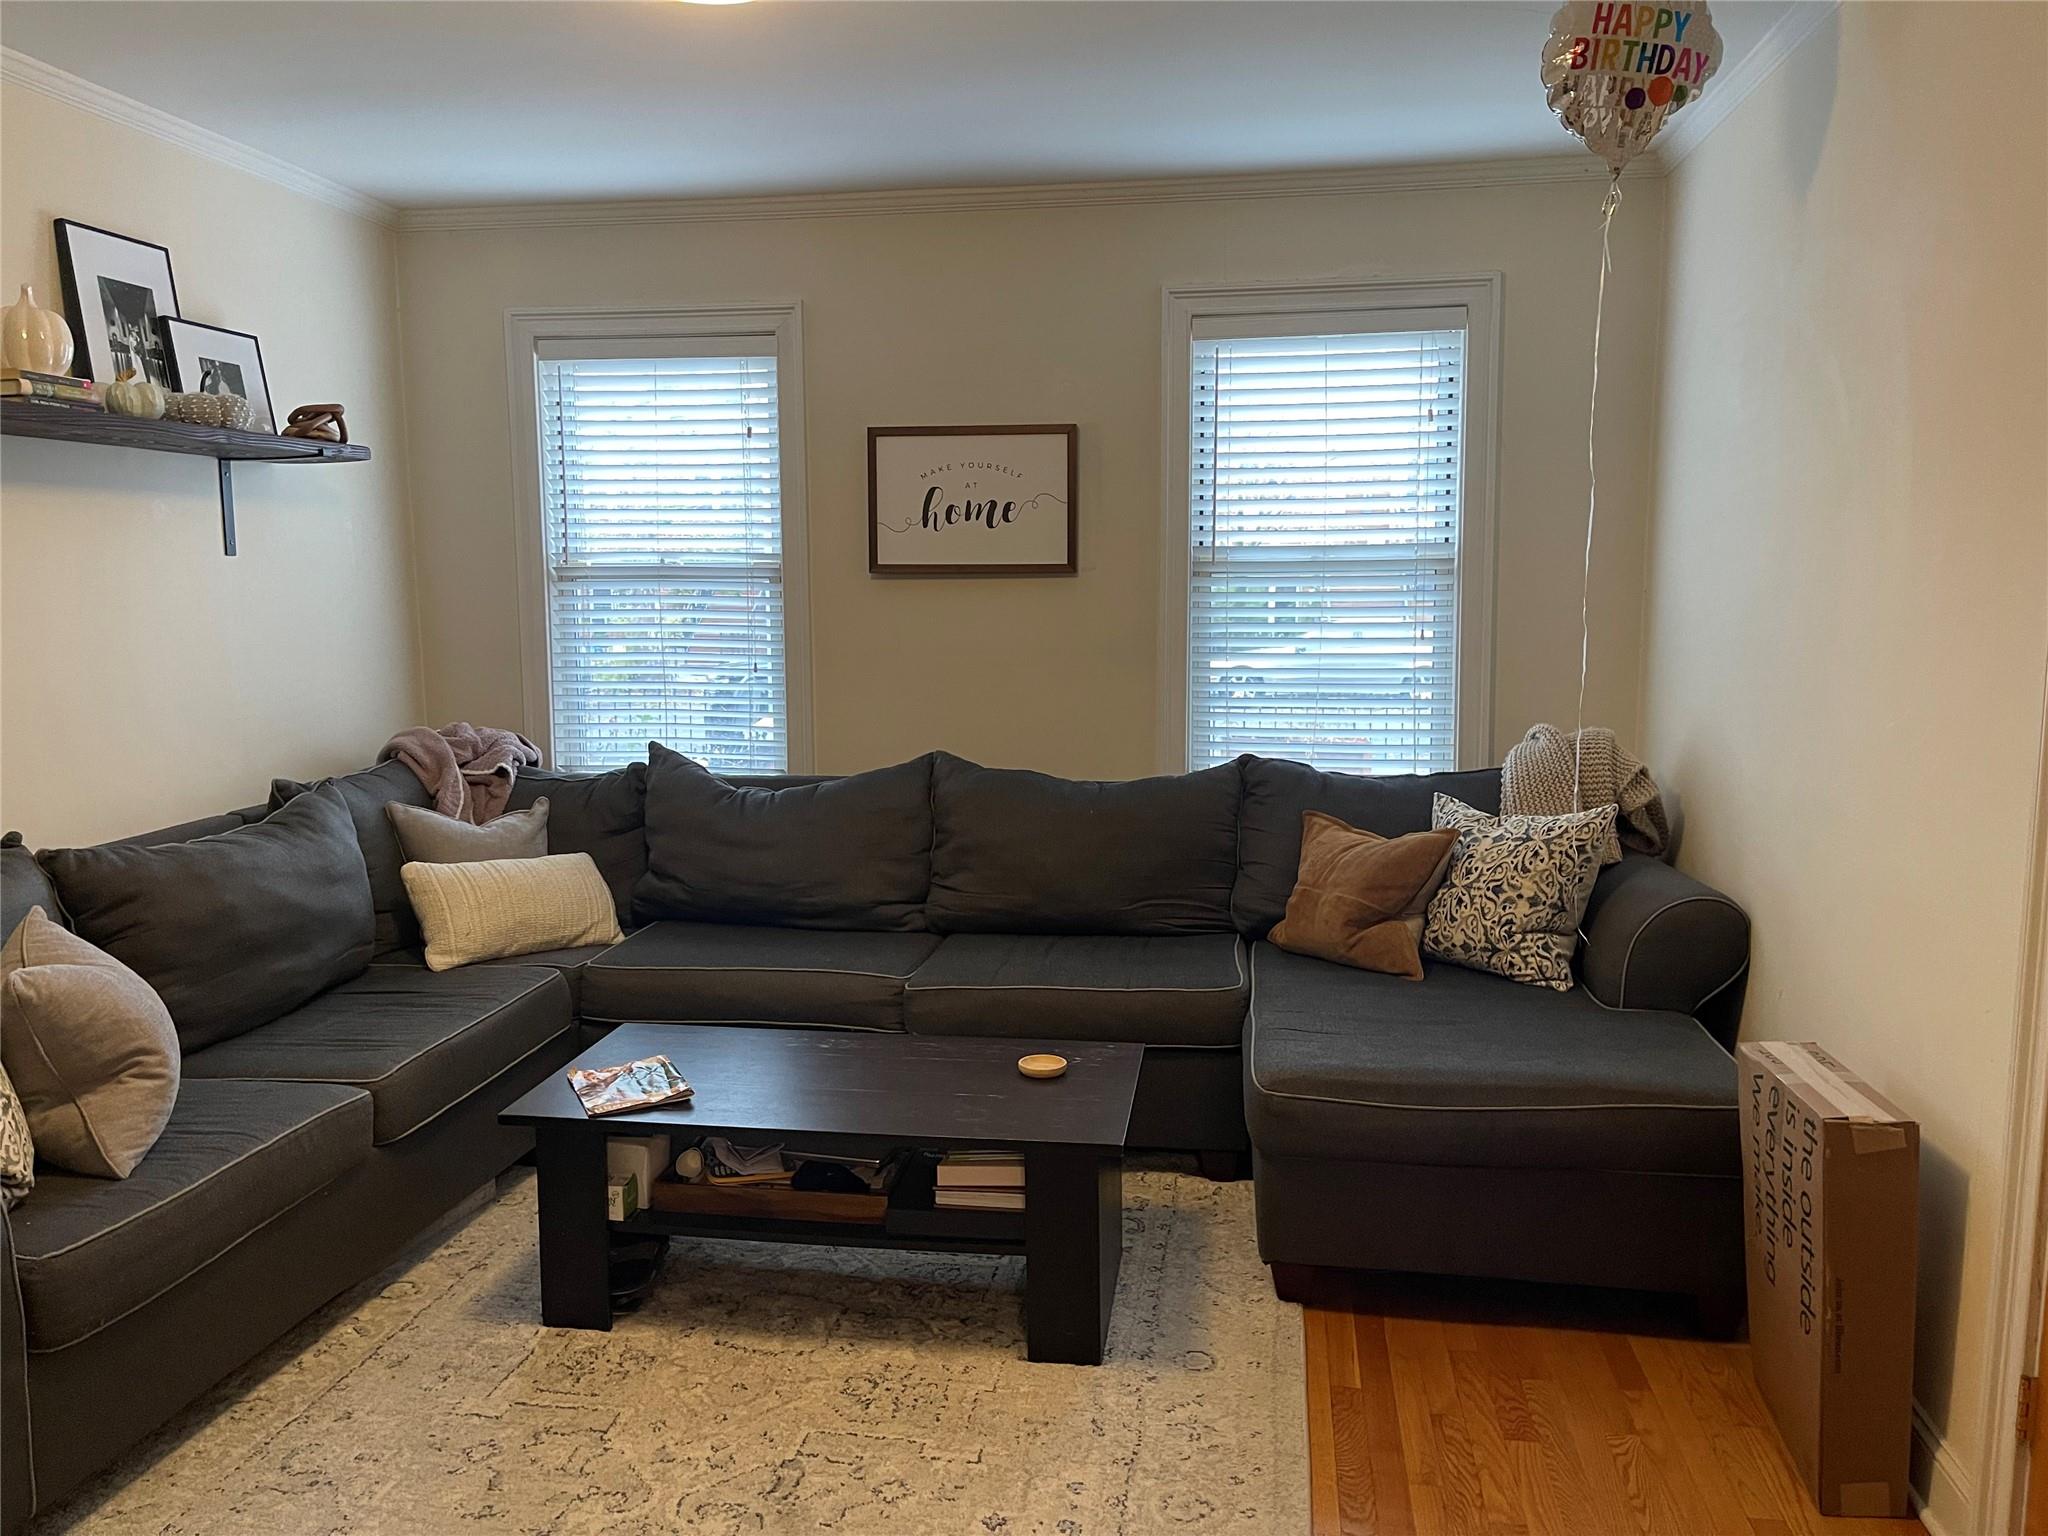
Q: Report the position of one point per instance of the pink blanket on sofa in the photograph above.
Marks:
(468, 769)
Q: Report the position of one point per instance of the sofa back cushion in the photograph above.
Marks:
(234, 929)
(1021, 852)
(601, 814)
(365, 793)
(1277, 791)
(852, 852)
(23, 885)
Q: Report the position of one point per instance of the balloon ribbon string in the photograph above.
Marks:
(1608, 204)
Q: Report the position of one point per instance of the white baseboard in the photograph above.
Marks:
(1943, 1492)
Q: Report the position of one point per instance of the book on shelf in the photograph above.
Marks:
(49, 394)
(32, 376)
(982, 1170)
(979, 1181)
(958, 1199)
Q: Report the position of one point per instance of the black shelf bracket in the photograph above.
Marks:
(227, 505)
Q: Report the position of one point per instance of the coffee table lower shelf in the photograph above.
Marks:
(1070, 1236)
(824, 1234)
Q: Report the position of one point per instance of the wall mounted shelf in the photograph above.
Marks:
(221, 444)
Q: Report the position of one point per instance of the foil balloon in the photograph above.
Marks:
(1615, 71)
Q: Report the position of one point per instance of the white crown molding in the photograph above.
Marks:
(18, 69)
(1727, 92)
(1523, 171)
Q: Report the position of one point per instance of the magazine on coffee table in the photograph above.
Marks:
(632, 1085)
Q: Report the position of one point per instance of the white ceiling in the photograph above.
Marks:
(424, 104)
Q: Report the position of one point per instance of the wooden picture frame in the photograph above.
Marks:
(941, 503)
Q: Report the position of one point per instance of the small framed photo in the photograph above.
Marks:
(212, 360)
(116, 289)
(972, 501)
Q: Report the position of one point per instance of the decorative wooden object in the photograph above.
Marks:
(222, 444)
(321, 423)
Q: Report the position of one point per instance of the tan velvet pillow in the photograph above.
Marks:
(90, 1047)
(501, 907)
(1359, 898)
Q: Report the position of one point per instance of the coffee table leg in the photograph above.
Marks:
(1073, 1244)
(575, 1238)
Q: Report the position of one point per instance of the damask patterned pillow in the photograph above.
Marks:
(17, 1151)
(1516, 890)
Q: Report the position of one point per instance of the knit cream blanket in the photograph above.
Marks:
(1536, 780)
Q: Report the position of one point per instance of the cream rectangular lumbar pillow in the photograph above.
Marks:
(501, 907)
(90, 1047)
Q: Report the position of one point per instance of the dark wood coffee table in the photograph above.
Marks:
(862, 1095)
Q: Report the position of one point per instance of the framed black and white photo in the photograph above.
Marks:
(971, 501)
(116, 289)
(212, 360)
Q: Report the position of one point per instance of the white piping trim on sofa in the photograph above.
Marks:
(861, 1029)
(769, 970)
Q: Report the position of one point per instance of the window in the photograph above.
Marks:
(1327, 491)
(664, 530)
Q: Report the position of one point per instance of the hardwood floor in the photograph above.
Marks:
(1438, 1408)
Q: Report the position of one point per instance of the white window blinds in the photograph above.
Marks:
(661, 500)
(1325, 485)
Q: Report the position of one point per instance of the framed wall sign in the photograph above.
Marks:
(971, 501)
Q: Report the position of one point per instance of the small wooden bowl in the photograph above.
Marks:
(1042, 1066)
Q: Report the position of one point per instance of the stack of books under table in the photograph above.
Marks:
(979, 1181)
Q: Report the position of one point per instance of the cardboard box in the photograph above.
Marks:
(644, 1157)
(621, 1196)
(1830, 1188)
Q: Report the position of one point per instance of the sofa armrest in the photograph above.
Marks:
(17, 1469)
(1657, 938)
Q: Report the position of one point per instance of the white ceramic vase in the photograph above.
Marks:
(35, 338)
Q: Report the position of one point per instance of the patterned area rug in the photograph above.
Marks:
(763, 1390)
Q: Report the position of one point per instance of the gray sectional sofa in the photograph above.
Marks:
(1463, 1124)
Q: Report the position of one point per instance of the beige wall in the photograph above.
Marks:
(1048, 314)
(145, 678)
(1849, 587)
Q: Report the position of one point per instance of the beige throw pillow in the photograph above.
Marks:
(501, 907)
(427, 837)
(1516, 890)
(90, 1047)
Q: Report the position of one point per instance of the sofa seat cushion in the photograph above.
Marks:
(1186, 990)
(419, 1041)
(1463, 1069)
(234, 1156)
(717, 973)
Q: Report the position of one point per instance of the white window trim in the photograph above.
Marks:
(1478, 295)
(780, 324)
